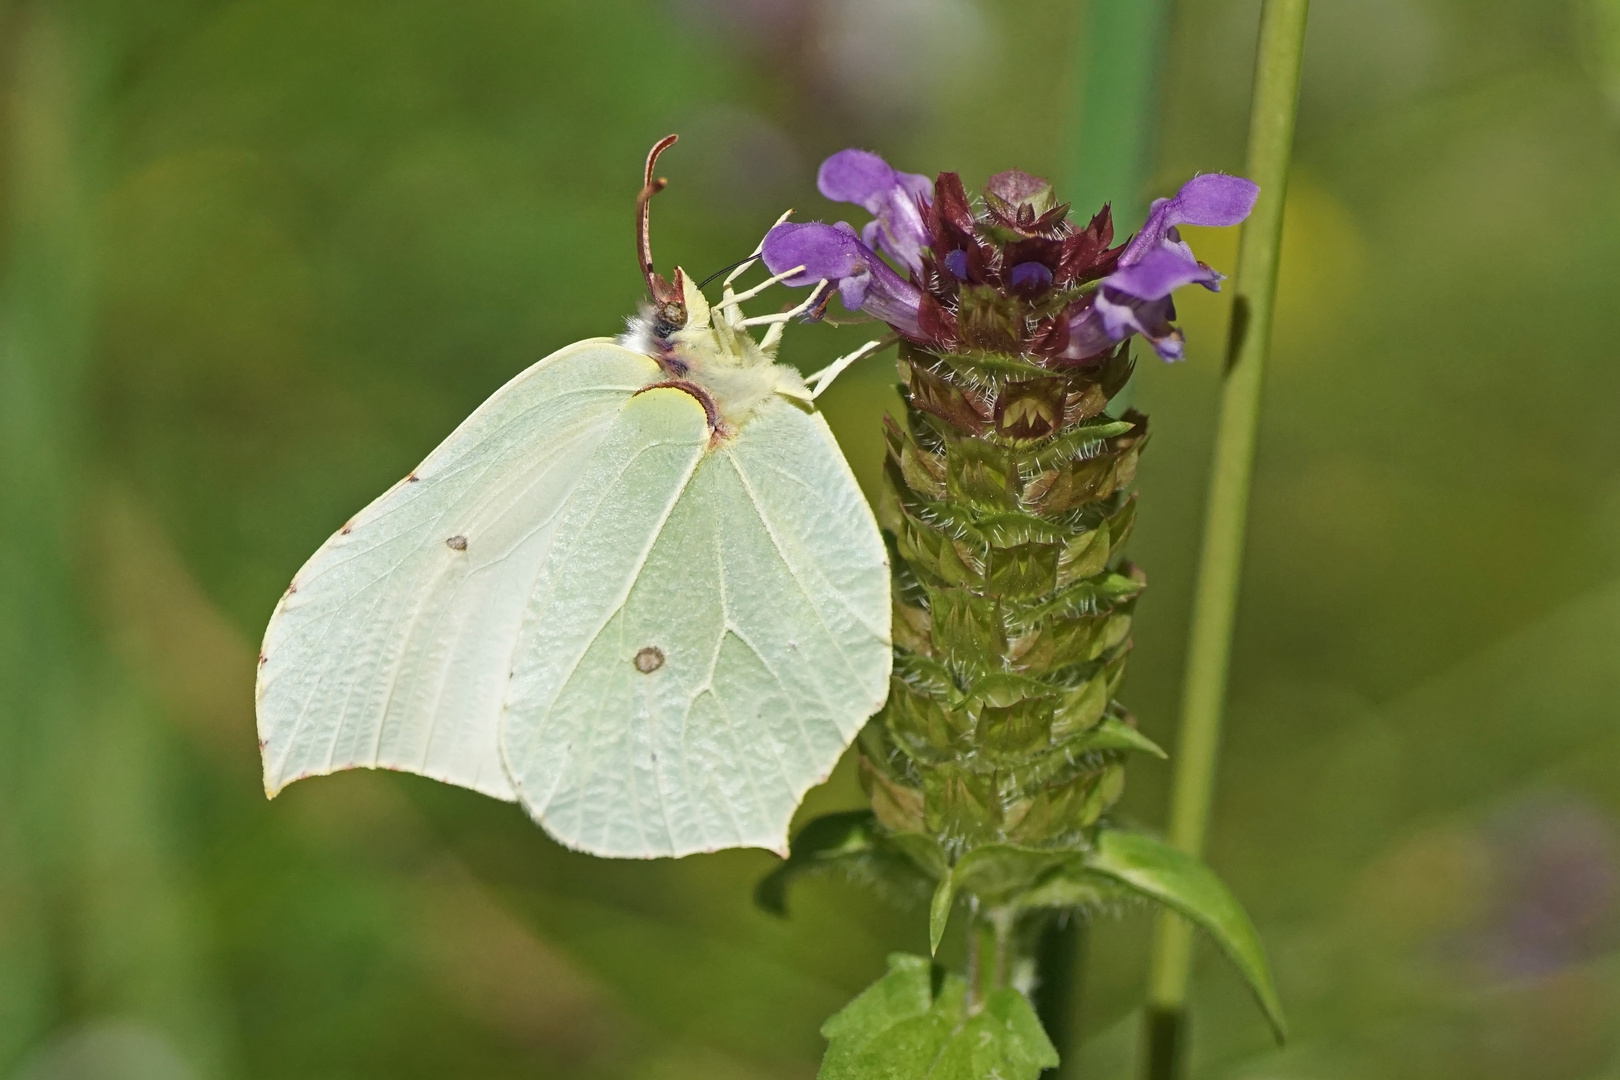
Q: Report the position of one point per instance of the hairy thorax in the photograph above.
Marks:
(715, 353)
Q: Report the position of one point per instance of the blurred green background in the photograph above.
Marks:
(258, 256)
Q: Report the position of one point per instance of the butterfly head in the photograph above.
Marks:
(712, 347)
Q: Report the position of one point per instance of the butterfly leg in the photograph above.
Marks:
(734, 300)
(822, 379)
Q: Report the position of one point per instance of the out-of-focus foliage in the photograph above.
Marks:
(258, 256)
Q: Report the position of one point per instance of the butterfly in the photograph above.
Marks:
(637, 591)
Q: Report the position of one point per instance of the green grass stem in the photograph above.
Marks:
(1114, 127)
(1271, 136)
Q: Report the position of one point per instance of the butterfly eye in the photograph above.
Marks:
(670, 317)
(649, 659)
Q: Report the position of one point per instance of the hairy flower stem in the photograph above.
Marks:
(1002, 920)
(1271, 133)
(974, 969)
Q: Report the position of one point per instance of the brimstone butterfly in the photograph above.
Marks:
(637, 590)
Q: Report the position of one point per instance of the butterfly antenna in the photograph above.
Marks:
(729, 266)
(666, 297)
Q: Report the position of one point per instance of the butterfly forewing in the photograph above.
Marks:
(393, 647)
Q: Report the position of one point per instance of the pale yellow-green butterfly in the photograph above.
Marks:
(637, 591)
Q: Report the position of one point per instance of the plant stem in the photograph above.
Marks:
(1271, 136)
(1002, 920)
(972, 972)
(1112, 132)
(1060, 959)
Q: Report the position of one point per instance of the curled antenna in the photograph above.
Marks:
(667, 298)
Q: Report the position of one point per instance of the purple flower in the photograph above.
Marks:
(894, 199)
(1020, 246)
(1135, 298)
(1212, 199)
(1029, 277)
(865, 282)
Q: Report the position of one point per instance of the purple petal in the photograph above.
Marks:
(1135, 298)
(1119, 320)
(865, 282)
(1122, 316)
(1113, 317)
(895, 200)
(1170, 347)
(1159, 273)
(872, 234)
(957, 263)
(861, 177)
(854, 176)
(825, 251)
(1213, 199)
(893, 299)
(1029, 277)
(1087, 337)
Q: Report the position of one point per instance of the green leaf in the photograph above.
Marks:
(923, 851)
(939, 910)
(913, 1025)
(850, 843)
(1159, 872)
(1004, 1040)
(1072, 888)
(999, 873)
(905, 992)
(1114, 734)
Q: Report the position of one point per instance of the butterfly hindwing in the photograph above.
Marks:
(727, 661)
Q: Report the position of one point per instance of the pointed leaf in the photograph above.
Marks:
(1115, 734)
(1178, 880)
(913, 1025)
(906, 991)
(1004, 1039)
(939, 911)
